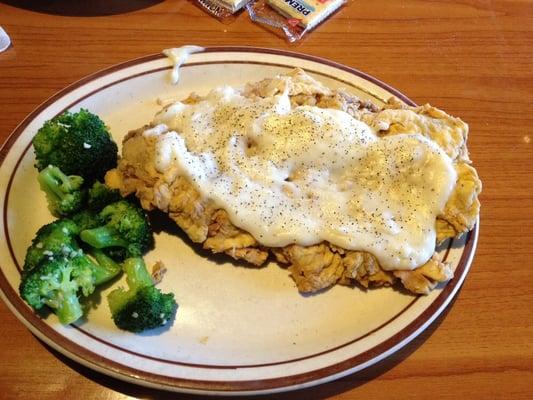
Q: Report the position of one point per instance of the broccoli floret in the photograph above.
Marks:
(56, 269)
(125, 231)
(54, 240)
(56, 283)
(148, 309)
(78, 144)
(58, 240)
(65, 194)
(143, 306)
(101, 195)
(86, 219)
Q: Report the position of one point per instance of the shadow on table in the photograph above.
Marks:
(82, 8)
(323, 391)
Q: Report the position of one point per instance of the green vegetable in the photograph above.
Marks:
(56, 283)
(105, 267)
(73, 152)
(143, 306)
(65, 194)
(125, 228)
(86, 219)
(56, 270)
(101, 195)
(78, 144)
(53, 240)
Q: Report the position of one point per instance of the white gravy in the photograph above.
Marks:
(305, 174)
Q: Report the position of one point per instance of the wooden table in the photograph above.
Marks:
(471, 58)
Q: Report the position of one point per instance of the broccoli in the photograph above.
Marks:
(89, 219)
(86, 219)
(56, 269)
(101, 195)
(53, 240)
(55, 283)
(105, 267)
(125, 231)
(58, 240)
(143, 306)
(65, 194)
(77, 143)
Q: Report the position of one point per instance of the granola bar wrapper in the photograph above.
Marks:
(293, 18)
(224, 10)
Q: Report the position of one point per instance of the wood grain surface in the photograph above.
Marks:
(473, 58)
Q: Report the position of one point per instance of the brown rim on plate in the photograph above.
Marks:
(71, 349)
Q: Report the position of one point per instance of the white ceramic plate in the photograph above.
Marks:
(238, 330)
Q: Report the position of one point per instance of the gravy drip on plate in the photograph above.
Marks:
(306, 174)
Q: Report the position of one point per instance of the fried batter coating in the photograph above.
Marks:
(321, 265)
(450, 133)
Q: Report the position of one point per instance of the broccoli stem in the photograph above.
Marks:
(68, 310)
(55, 183)
(102, 237)
(137, 275)
(65, 301)
(105, 269)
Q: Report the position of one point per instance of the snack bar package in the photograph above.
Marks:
(222, 9)
(293, 17)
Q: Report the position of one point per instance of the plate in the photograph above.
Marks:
(238, 330)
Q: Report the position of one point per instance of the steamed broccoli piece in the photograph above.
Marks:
(105, 267)
(53, 240)
(55, 283)
(78, 144)
(125, 231)
(59, 240)
(86, 219)
(101, 195)
(56, 270)
(143, 306)
(65, 194)
(148, 309)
